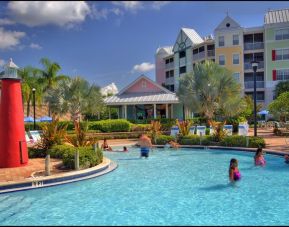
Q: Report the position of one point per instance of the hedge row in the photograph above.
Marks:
(229, 141)
(87, 156)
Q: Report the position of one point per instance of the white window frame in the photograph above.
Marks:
(282, 34)
(234, 75)
(282, 74)
(224, 59)
(219, 40)
(282, 54)
(143, 84)
(238, 40)
(238, 59)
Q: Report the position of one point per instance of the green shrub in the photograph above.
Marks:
(117, 125)
(190, 140)
(36, 152)
(164, 139)
(140, 127)
(87, 157)
(207, 131)
(234, 141)
(256, 142)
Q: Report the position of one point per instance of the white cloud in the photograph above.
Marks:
(2, 62)
(35, 46)
(6, 21)
(37, 13)
(10, 38)
(158, 4)
(129, 5)
(143, 67)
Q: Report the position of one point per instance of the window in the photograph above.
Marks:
(183, 69)
(172, 73)
(282, 54)
(167, 74)
(221, 60)
(235, 59)
(235, 39)
(167, 61)
(171, 60)
(144, 84)
(195, 51)
(282, 74)
(237, 76)
(281, 34)
(221, 41)
(182, 54)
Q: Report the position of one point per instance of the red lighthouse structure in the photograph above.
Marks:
(13, 147)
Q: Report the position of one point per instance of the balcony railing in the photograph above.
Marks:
(199, 56)
(250, 84)
(211, 53)
(170, 65)
(254, 46)
(170, 80)
(248, 65)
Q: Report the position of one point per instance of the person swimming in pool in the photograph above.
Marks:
(105, 146)
(286, 157)
(234, 174)
(145, 145)
(259, 158)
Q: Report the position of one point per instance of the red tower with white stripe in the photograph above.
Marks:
(13, 147)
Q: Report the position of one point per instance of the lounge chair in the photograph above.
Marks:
(243, 130)
(201, 130)
(228, 129)
(27, 138)
(174, 130)
(192, 130)
(36, 136)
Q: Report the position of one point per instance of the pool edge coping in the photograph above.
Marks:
(105, 167)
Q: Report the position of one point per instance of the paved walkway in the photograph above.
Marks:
(15, 174)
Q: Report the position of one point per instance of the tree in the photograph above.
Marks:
(281, 87)
(248, 110)
(75, 96)
(280, 106)
(210, 89)
(31, 78)
(50, 75)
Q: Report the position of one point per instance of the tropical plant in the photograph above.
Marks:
(218, 132)
(209, 89)
(184, 127)
(280, 106)
(281, 87)
(31, 78)
(248, 110)
(155, 130)
(52, 133)
(80, 139)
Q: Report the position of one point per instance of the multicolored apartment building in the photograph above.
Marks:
(233, 47)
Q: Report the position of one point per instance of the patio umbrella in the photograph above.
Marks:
(263, 112)
(28, 119)
(45, 119)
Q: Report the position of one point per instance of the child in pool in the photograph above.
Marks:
(259, 158)
(125, 149)
(234, 174)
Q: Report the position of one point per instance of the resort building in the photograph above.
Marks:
(233, 47)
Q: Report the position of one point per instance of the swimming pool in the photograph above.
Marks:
(171, 187)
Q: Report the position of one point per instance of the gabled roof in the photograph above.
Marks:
(148, 79)
(186, 38)
(227, 20)
(276, 16)
(168, 50)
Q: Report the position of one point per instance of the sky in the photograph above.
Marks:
(116, 41)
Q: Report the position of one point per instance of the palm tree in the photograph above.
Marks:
(31, 78)
(50, 75)
(210, 89)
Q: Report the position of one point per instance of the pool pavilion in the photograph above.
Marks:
(145, 99)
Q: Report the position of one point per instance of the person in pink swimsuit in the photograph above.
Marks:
(259, 158)
(234, 174)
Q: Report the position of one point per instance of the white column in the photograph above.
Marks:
(167, 110)
(155, 110)
(125, 111)
(172, 111)
(109, 113)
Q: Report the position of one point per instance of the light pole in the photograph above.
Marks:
(33, 93)
(255, 67)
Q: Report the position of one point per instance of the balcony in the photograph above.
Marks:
(170, 80)
(170, 65)
(198, 56)
(254, 46)
(250, 84)
(211, 53)
(248, 65)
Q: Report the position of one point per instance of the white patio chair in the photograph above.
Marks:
(201, 130)
(174, 130)
(192, 130)
(36, 135)
(228, 129)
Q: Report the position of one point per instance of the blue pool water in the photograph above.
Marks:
(183, 187)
